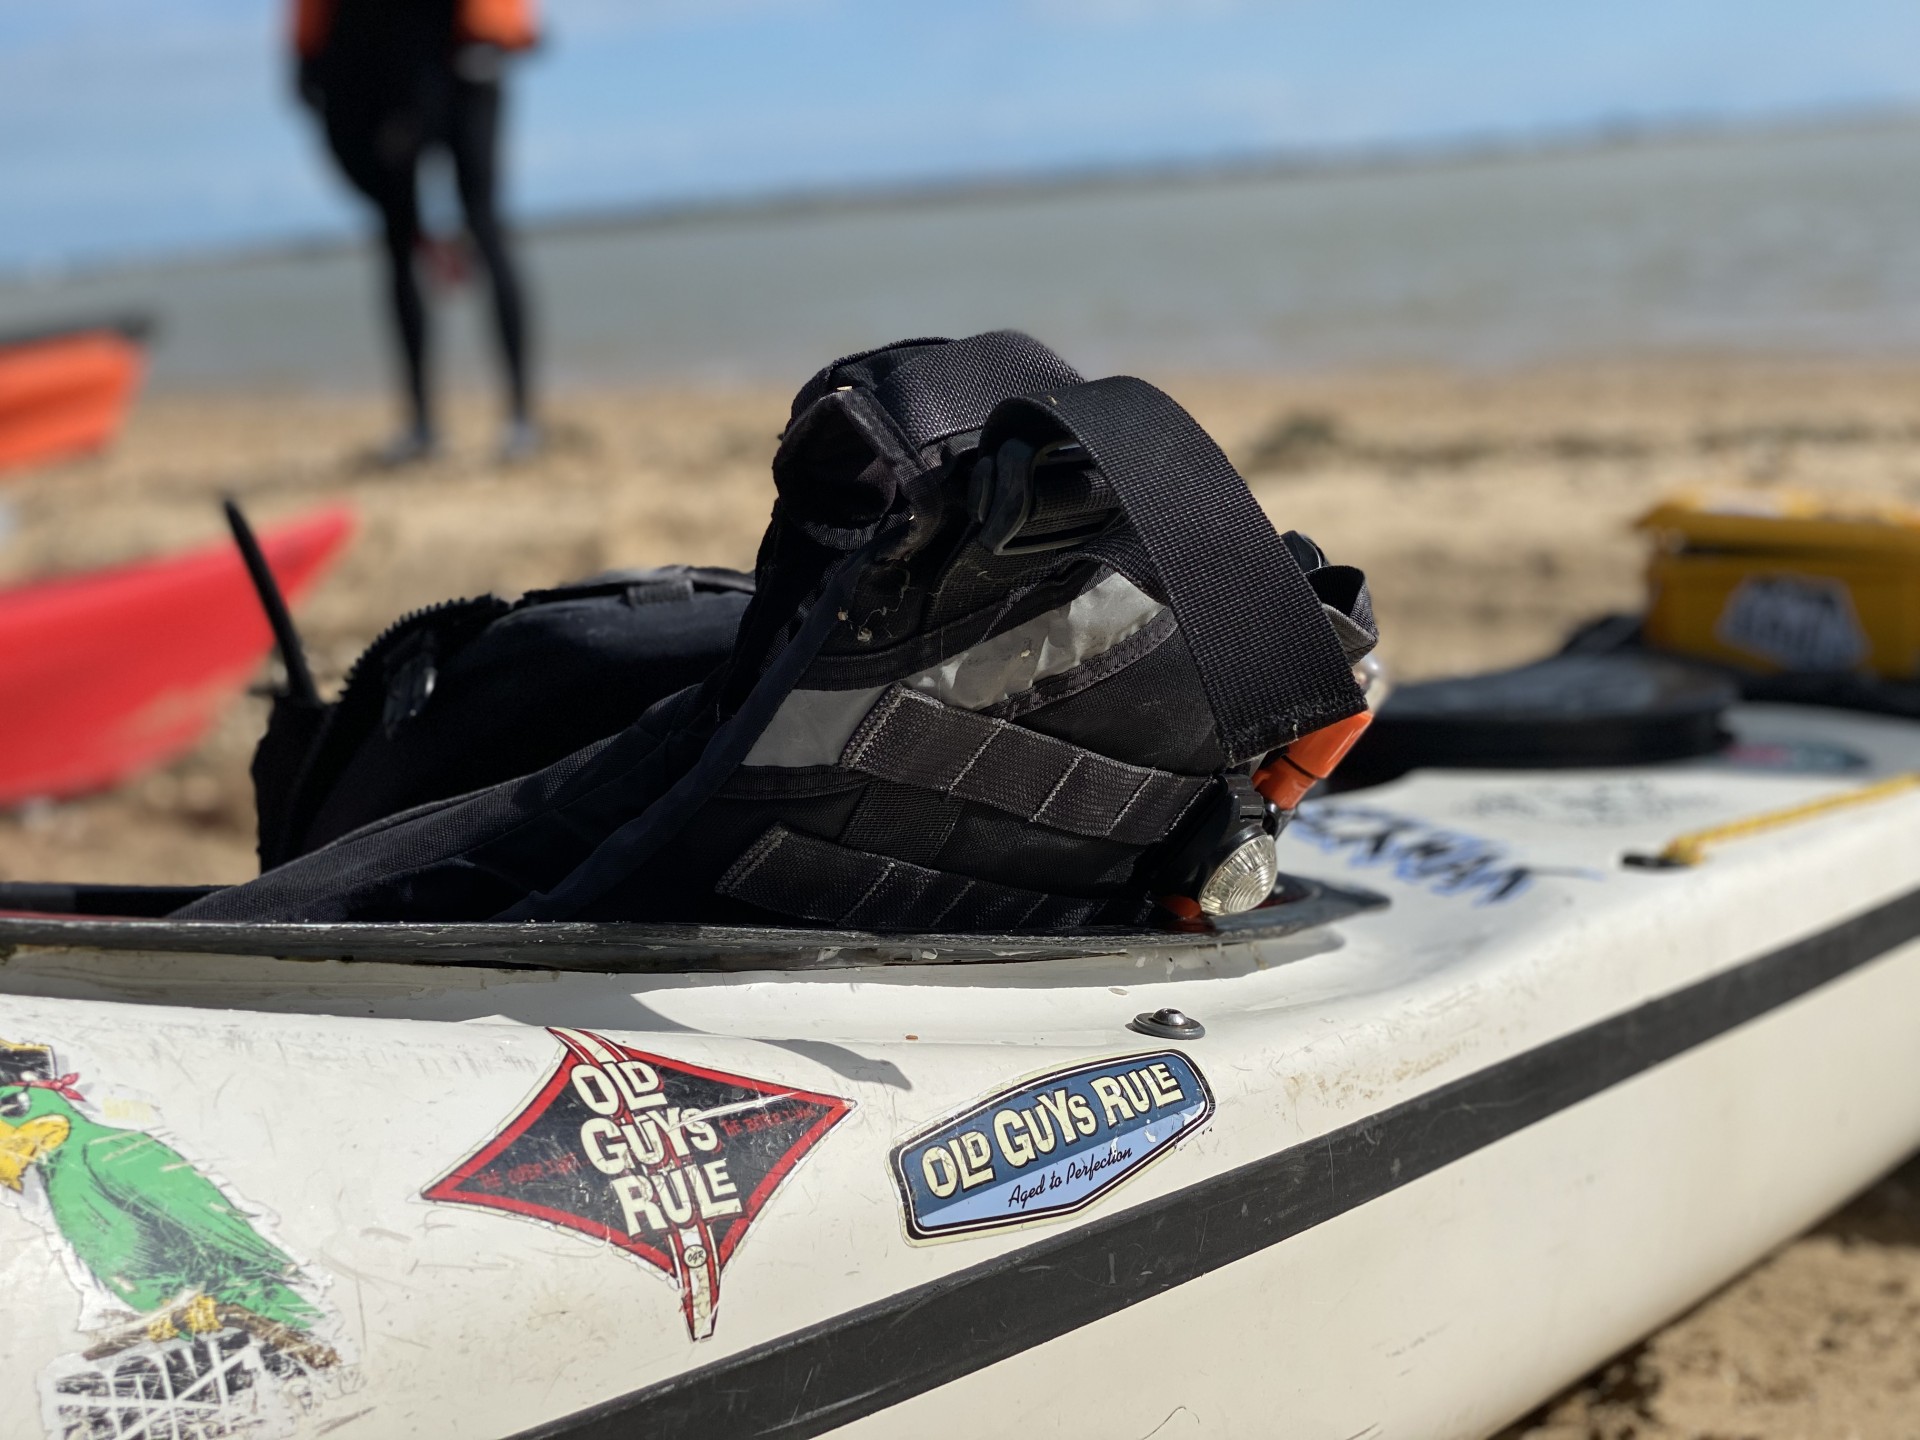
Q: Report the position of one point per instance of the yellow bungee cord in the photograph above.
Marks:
(1691, 848)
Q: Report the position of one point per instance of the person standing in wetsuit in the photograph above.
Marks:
(389, 80)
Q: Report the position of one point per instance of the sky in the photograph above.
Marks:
(133, 128)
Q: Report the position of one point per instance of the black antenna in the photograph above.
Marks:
(300, 684)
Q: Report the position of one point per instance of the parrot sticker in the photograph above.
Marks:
(668, 1161)
(201, 1324)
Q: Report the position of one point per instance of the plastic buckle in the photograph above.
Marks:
(1294, 769)
(1030, 500)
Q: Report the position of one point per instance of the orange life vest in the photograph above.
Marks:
(510, 24)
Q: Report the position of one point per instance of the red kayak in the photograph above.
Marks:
(106, 674)
(66, 392)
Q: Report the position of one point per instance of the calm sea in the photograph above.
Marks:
(1785, 241)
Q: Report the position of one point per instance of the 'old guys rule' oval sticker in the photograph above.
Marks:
(1049, 1146)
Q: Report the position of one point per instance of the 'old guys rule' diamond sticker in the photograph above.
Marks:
(1049, 1146)
(669, 1161)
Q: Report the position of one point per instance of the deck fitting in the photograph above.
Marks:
(1168, 1024)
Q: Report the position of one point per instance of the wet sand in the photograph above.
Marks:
(1491, 510)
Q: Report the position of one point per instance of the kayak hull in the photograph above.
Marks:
(1451, 1307)
(65, 393)
(1427, 1163)
(110, 673)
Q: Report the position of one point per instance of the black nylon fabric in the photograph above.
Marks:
(904, 821)
(951, 389)
(1269, 660)
(468, 857)
(994, 845)
(459, 697)
(872, 570)
(1149, 708)
(937, 388)
(814, 879)
(918, 741)
(585, 836)
(636, 841)
(299, 761)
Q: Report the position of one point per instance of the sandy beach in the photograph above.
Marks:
(1492, 511)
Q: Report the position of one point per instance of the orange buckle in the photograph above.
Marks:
(1295, 769)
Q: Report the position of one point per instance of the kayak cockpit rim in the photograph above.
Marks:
(640, 947)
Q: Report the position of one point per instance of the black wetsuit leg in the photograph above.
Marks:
(382, 80)
(380, 156)
(473, 137)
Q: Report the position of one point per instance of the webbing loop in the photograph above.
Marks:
(1268, 656)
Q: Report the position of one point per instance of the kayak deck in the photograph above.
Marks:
(1429, 1162)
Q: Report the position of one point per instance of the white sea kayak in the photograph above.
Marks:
(1475, 1106)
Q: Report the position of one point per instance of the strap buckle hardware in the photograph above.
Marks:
(1294, 769)
(1225, 863)
(1031, 499)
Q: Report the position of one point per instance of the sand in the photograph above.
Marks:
(1491, 510)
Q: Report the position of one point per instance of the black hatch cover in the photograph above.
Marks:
(1567, 711)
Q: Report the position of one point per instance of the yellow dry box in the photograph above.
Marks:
(1787, 581)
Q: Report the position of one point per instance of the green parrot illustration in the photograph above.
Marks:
(148, 1225)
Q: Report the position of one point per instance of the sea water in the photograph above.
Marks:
(1791, 240)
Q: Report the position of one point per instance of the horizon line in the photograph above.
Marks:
(963, 188)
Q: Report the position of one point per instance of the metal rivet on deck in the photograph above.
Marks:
(1168, 1024)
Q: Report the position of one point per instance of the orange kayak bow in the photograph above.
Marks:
(66, 392)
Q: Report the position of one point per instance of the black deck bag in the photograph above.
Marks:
(1016, 645)
(467, 694)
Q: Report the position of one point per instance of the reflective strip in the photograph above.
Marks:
(914, 740)
(812, 727)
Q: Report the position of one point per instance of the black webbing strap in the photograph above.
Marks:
(1269, 660)
(936, 388)
(949, 389)
(794, 874)
(915, 740)
(630, 846)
